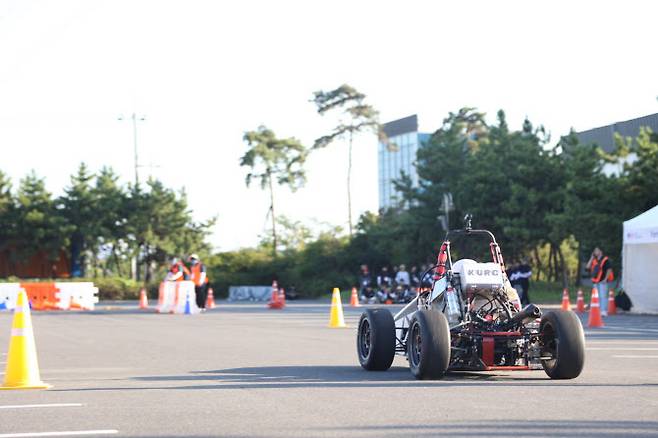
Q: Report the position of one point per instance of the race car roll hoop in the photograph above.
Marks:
(471, 320)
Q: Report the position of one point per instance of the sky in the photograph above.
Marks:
(204, 72)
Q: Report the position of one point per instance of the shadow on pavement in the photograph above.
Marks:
(309, 376)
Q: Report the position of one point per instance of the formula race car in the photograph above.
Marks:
(471, 319)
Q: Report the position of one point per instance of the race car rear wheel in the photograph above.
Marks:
(562, 339)
(428, 345)
(375, 340)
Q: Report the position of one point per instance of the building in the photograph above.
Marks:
(604, 137)
(397, 155)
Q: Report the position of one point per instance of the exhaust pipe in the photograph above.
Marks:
(529, 313)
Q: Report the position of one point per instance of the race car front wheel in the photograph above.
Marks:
(563, 344)
(375, 340)
(428, 345)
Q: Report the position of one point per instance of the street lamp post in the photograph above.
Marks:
(135, 118)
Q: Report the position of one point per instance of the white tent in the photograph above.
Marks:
(640, 261)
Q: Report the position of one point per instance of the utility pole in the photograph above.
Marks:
(135, 118)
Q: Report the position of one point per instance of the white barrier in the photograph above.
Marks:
(249, 293)
(8, 295)
(174, 296)
(83, 295)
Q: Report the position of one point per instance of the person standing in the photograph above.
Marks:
(200, 279)
(601, 273)
(178, 271)
(519, 276)
(366, 293)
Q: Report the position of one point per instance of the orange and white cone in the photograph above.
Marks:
(612, 306)
(566, 305)
(354, 299)
(595, 319)
(282, 297)
(22, 371)
(210, 301)
(143, 299)
(274, 301)
(580, 302)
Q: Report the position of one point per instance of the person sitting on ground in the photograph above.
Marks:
(384, 284)
(427, 277)
(414, 277)
(402, 277)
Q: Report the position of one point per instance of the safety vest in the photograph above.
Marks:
(195, 275)
(179, 267)
(599, 275)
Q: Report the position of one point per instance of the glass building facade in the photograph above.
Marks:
(398, 155)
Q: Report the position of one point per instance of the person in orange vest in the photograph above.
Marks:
(200, 279)
(178, 271)
(600, 270)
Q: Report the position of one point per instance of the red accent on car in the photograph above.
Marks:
(519, 334)
(488, 350)
(508, 368)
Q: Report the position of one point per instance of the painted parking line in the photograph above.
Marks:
(634, 356)
(633, 329)
(45, 405)
(62, 433)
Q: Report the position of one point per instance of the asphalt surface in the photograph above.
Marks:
(243, 370)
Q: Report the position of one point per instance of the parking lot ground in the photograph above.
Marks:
(242, 370)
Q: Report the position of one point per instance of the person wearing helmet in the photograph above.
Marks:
(200, 279)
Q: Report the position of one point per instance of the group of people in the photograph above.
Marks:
(196, 272)
(395, 286)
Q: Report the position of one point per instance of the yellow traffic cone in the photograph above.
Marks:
(22, 370)
(336, 319)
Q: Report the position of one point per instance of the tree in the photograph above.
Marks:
(40, 226)
(7, 212)
(79, 210)
(360, 117)
(270, 158)
(110, 202)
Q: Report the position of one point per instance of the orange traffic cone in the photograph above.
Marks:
(210, 301)
(354, 299)
(275, 302)
(580, 302)
(22, 371)
(566, 305)
(612, 306)
(282, 297)
(143, 299)
(595, 319)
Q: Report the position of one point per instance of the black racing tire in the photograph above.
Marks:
(428, 345)
(375, 340)
(562, 336)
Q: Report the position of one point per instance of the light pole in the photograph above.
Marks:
(135, 118)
